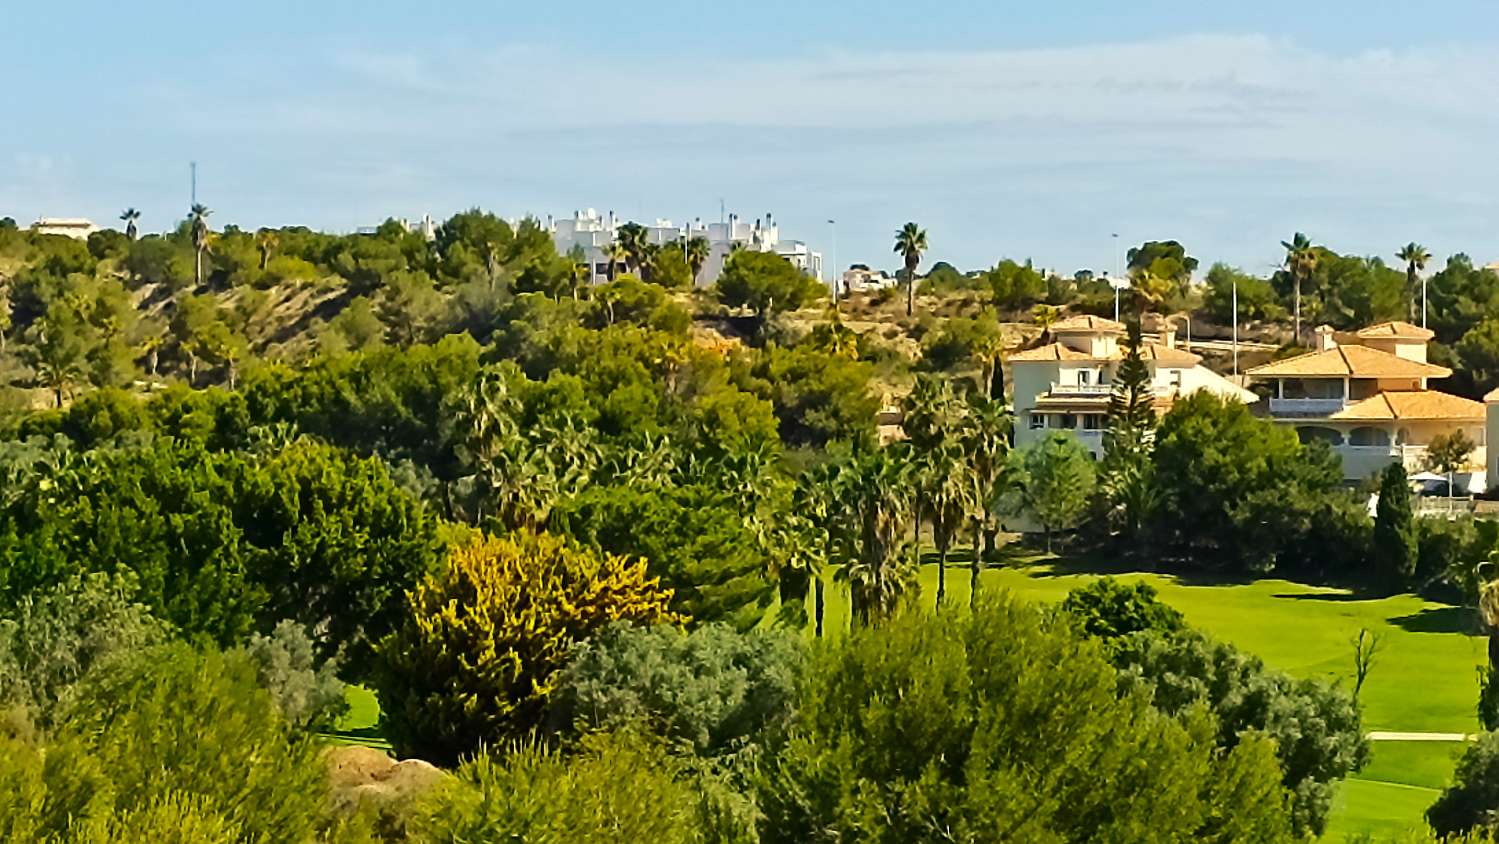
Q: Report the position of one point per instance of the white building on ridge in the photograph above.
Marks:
(594, 233)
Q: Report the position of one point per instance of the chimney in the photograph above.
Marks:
(1168, 334)
(1325, 340)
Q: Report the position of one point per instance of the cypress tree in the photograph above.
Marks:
(1395, 546)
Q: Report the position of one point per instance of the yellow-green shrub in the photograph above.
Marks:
(476, 659)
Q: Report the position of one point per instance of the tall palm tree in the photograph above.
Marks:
(821, 495)
(1415, 257)
(698, 250)
(1301, 260)
(634, 241)
(129, 216)
(985, 440)
(951, 498)
(878, 575)
(910, 243)
(198, 226)
(266, 240)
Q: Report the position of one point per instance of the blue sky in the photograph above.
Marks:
(1007, 129)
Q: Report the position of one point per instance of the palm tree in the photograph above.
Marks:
(1149, 290)
(1415, 257)
(985, 440)
(266, 240)
(821, 496)
(198, 225)
(1301, 260)
(951, 498)
(879, 489)
(635, 244)
(129, 216)
(617, 254)
(698, 250)
(910, 242)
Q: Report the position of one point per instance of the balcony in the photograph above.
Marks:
(1306, 407)
(1082, 390)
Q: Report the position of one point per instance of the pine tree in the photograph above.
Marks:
(1127, 477)
(1394, 527)
(1131, 405)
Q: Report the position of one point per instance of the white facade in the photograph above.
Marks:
(77, 228)
(594, 233)
(1066, 385)
(860, 280)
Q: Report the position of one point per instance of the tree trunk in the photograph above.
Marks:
(941, 575)
(1047, 530)
(198, 267)
(910, 290)
(1296, 276)
(151, 362)
(192, 370)
(817, 604)
(973, 584)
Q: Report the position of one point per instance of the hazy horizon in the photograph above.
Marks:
(1004, 133)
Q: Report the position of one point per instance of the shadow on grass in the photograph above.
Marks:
(1105, 562)
(1439, 620)
(367, 736)
(1329, 597)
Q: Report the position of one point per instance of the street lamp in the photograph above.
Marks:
(1115, 283)
(833, 275)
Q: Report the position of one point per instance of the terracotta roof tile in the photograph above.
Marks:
(1413, 404)
(1360, 361)
(1084, 323)
(1492, 395)
(1150, 351)
(1403, 330)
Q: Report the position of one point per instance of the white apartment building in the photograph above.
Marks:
(1065, 386)
(594, 233)
(77, 228)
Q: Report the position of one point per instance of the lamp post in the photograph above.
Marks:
(833, 276)
(1236, 329)
(1115, 283)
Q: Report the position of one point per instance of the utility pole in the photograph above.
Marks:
(834, 276)
(1236, 330)
(1117, 279)
(192, 167)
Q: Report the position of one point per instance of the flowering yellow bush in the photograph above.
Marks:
(476, 658)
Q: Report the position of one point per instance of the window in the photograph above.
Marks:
(1067, 421)
(1084, 377)
(1093, 422)
(1369, 436)
(1038, 421)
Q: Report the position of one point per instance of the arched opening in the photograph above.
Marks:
(1310, 433)
(1369, 436)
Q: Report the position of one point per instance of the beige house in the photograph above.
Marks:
(1366, 394)
(1065, 386)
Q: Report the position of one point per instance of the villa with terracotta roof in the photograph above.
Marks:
(1066, 384)
(1365, 393)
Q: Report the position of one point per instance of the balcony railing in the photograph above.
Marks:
(1081, 389)
(1306, 407)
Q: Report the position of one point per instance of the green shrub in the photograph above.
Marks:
(1471, 801)
(52, 638)
(1316, 727)
(619, 788)
(307, 690)
(713, 689)
(170, 745)
(1107, 608)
